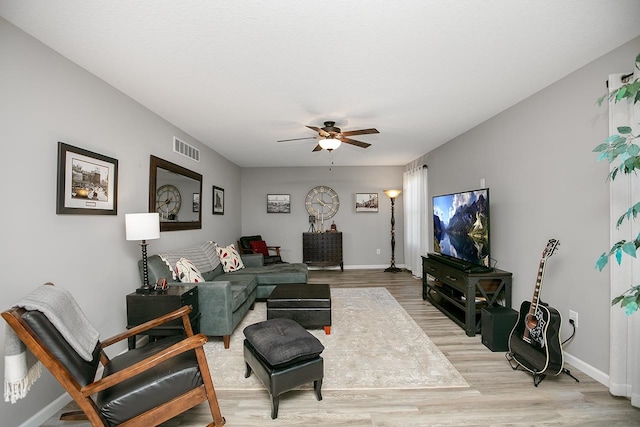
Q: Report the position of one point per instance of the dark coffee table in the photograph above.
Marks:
(309, 305)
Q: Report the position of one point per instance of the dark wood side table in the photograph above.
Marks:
(322, 249)
(145, 307)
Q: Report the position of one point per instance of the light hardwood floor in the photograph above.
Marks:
(496, 396)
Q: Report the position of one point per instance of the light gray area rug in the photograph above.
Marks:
(374, 344)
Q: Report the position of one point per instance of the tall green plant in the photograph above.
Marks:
(621, 149)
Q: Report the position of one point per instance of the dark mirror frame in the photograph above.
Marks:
(156, 163)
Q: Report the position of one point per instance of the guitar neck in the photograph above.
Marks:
(536, 295)
(536, 290)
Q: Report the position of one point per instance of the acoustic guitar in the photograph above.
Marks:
(535, 339)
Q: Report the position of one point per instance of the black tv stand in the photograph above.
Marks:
(459, 264)
(461, 295)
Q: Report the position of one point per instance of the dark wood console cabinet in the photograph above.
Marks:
(144, 307)
(461, 295)
(322, 249)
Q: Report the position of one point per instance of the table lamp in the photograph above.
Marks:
(143, 227)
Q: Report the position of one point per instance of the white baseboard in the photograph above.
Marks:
(356, 267)
(47, 412)
(366, 267)
(596, 374)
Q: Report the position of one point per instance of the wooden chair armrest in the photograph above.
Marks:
(136, 330)
(187, 344)
(275, 248)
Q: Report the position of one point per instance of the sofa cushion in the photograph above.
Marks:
(187, 272)
(277, 273)
(230, 258)
(210, 275)
(259, 247)
(241, 289)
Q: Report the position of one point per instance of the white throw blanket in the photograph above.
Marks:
(21, 368)
(203, 256)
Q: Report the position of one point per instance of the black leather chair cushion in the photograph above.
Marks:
(82, 371)
(245, 242)
(282, 342)
(151, 388)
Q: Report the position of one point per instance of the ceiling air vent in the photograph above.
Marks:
(185, 149)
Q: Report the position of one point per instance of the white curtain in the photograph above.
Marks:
(624, 368)
(414, 187)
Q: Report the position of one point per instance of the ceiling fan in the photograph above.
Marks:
(330, 137)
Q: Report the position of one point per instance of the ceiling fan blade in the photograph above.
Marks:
(354, 142)
(360, 132)
(318, 148)
(296, 139)
(322, 132)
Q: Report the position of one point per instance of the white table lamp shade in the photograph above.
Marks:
(142, 226)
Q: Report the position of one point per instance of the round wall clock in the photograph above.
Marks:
(168, 200)
(322, 202)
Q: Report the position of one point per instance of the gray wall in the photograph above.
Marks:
(537, 159)
(46, 99)
(363, 233)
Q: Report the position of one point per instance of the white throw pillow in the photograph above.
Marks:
(187, 272)
(230, 258)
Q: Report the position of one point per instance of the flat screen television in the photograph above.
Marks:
(461, 227)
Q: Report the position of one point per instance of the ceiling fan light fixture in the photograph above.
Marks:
(329, 143)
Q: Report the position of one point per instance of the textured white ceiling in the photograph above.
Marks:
(240, 75)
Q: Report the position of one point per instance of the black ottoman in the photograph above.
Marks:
(284, 356)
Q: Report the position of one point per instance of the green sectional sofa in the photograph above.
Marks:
(225, 298)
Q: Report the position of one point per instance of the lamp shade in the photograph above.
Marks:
(142, 226)
(329, 143)
(392, 193)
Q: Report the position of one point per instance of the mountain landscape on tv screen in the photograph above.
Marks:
(466, 235)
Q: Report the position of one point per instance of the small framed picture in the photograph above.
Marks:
(196, 202)
(87, 182)
(366, 202)
(218, 201)
(278, 203)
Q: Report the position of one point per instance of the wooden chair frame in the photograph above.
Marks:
(82, 395)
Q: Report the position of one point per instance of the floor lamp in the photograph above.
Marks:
(392, 195)
(143, 226)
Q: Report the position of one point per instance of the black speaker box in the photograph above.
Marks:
(497, 323)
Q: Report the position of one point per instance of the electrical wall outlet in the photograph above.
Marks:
(377, 251)
(573, 315)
